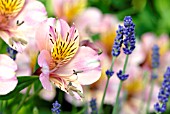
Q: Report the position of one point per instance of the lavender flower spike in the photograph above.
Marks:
(155, 60)
(56, 108)
(155, 56)
(164, 93)
(118, 42)
(129, 32)
(93, 106)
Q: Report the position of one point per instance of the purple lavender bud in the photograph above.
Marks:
(129, 32)
(155, 56)
(122, 76)
(56, 108)
(164, 93)
(93, 106)
(109, 73)
(118, 42)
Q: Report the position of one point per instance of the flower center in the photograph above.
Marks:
(64, 50)
(8, 10)
(73, 8)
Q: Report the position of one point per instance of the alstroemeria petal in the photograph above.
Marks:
(7, 67)
(44, 58)
(7, 74)
(44, 62)
(33, 13)
(85, 65)
(62, 27)
(8, 85)
(44, 78)
(42, 34)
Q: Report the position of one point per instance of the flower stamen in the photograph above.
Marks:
(70, 89)
(75, 72)
(19, 23)
(62, 50)
(17, 40)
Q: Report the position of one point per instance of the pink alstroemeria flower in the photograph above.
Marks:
(18, 19)
(63, 62)
(8, 80)
(68, 9)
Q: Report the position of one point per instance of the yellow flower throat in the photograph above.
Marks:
(64, 49)
(9, 9)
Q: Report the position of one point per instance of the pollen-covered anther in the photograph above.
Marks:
(17, 40)
(70, 89)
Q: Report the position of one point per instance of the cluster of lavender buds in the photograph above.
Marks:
(56, 108)
(122, 76)
(109, 73)
(129, 41)
(155, 56)
(93, 106)
(128, 32)
(164, 93)
(155, 60)
(118, 42)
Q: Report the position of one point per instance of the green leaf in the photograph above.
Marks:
(23, 82)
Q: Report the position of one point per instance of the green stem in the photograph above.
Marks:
(120, 86)
(117, 99)
(113, 61)
(125, 64)
(150, 96)
(23, 100)
(107, 83)
(168, 104)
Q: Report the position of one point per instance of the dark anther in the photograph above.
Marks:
(19, 23)
(75, 38)
(51, 41)
(76, 72)
(50, 35)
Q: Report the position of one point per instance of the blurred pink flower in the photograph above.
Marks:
(89, 21)
(93, 22)
(61, 59)
(137, 89)
(68, 9)
(48, 95)
(7, 74)
(18, 19)
(148, 40)
(26, 60)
